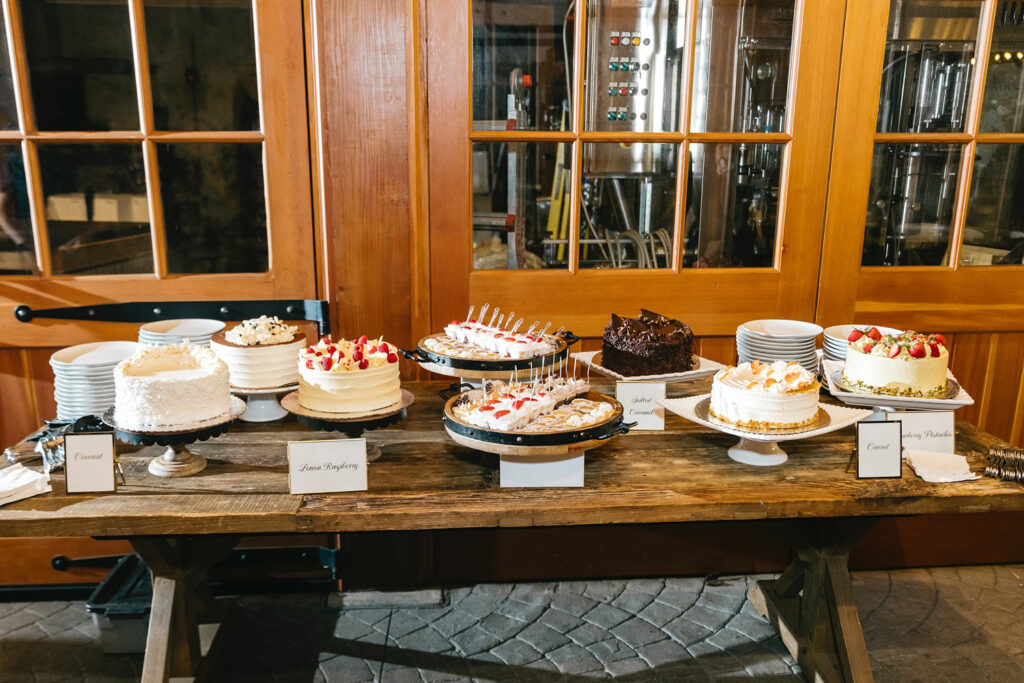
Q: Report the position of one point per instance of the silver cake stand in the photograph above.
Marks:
(352, 425)
(176, 460)
(762, 448)
(262, 405)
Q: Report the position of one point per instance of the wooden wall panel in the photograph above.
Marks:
(18, 415)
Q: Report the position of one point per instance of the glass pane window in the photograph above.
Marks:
(80, 64)
(628, 205)
(97, 215)
(202, 65)
(521, 50)
(911, 201)
(1003, 108)
(741, 72)
(634, 65)
(732, 205)
(521, 205)
(928, 65)
(17, 250)
(994, 232)
(215, 216)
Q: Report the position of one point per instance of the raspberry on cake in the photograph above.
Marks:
(763, 397)
(650, 344)
(260, 353)
(357, 376)
(907, 364)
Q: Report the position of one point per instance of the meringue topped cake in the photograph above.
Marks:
(358, 376)
(260, 353)
(763, 397)
(166, 386)
(650, 344)
(908, 364)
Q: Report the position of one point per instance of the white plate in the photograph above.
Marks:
(705, 368)
(897, 402)
(780, 328)
(94, 354)
(802, 348)
(184, 327)
(83, 395)
(768, 355)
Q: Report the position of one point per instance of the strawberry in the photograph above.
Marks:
(341, 354)
(362, 340)
(855, 335)
(935, 349)
(454, 322)
(363, 364)
(518, 404)
(392, 358)
(309, 364)
(373, 349)
(894, 350)
(874, 333)
(326, 339)
(917, 350)
(939, 338)
(310, 350)
(511, 339)
(384, 348)
(326, 363)
(500, 413)
(484, 409)
(867, 348)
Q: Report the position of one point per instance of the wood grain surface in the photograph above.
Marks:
(424, 481)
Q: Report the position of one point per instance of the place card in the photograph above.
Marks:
(89, 462)
(927, 430)
(879, 450)
(330, 466)
(640, 403)
(555, 471)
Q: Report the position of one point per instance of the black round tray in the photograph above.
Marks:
(354, 428)
(175, 438)
(421, 355)
(599, 432)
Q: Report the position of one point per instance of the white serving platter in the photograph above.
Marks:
(93, 355)
(762, 448)
(780, 329)
(856, 398)
(183, 327)
(705, 368)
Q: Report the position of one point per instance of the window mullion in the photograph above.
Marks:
(37, 207)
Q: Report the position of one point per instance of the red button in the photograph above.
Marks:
(623, 91)
(615, 40)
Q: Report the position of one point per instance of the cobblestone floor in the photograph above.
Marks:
(950, 624)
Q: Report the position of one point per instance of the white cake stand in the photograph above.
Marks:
(263, 405)
(761, 448)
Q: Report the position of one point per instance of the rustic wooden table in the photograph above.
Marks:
(181, 527)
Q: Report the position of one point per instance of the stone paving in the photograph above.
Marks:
(948, 624)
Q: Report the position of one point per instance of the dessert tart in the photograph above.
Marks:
(166, 386)
(650, 344)
(764, 397)
(260, 353)
(907, 364)
(358, 376)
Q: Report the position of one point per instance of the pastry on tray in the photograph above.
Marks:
(498, 338)
(908, 364)
(548, 405)
(650, 344)
(763, 397)
(358, 376)
(260, 353)
(168, 386)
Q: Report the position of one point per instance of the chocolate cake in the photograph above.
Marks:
(650, 344)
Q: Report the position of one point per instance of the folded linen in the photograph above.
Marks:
(940, 467)
(18, 482)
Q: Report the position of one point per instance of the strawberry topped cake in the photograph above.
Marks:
(357, 376)
(907, 364)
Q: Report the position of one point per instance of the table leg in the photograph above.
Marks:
(180, 604)
(811, 603)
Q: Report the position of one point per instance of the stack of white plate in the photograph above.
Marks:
(771, 340)
(837, 338)
(193, 330)
(84, 377)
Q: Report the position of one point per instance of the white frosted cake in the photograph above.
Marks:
(909, 364)
(166, 386)
(762, 397)
(358, 376)
(260, 353)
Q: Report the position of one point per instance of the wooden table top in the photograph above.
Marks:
(425, 481)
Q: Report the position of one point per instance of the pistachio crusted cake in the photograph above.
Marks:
(907, 364)
(649, 344)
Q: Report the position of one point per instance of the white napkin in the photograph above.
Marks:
(17, 482)
(940, 467)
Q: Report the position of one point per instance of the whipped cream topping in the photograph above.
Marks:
(780, 377)
(261, 330)
(498, 340)
(157, 360)
(510, 407)
(348, 356)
